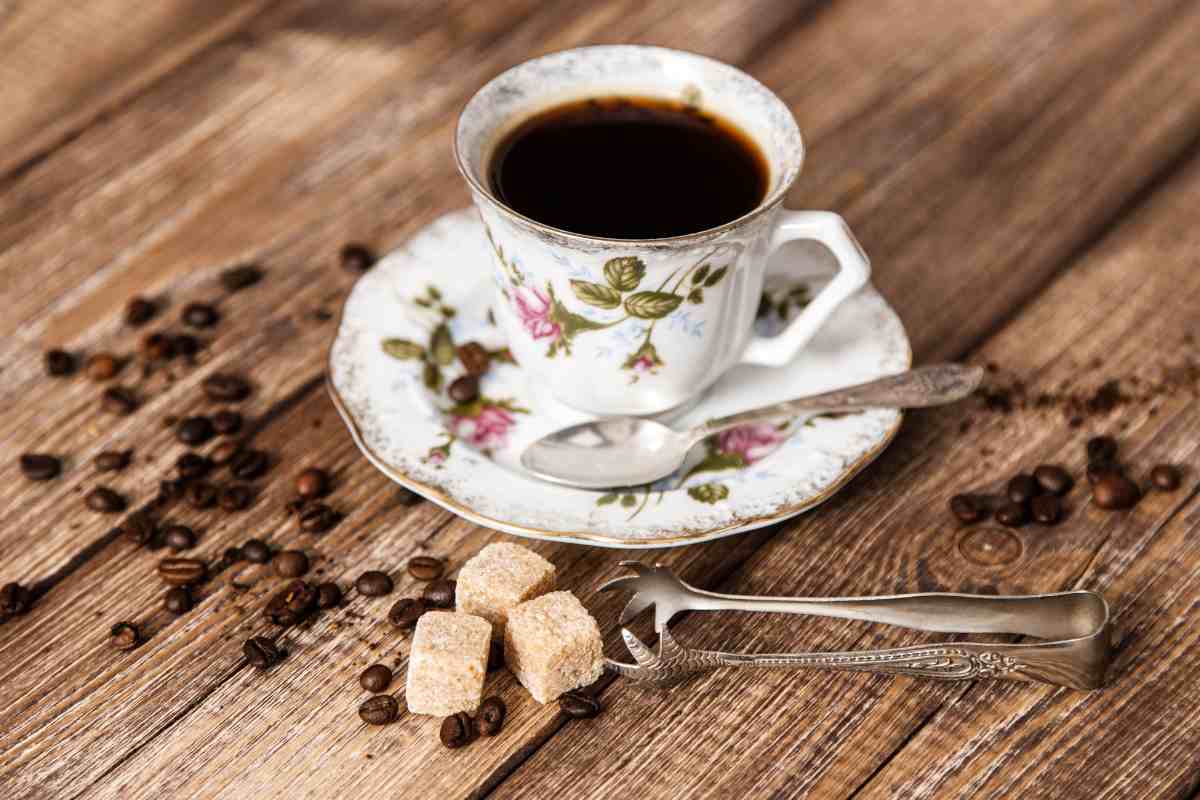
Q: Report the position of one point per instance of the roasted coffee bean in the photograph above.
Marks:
(179, 537)
(199, 315)
(40, 466)
(374, 583)
(426, 568)
(490, 718)
(1114, 491)
(232, 555)
(405, 613)
(236, 498)
(223, 388)
(291, 563)
(139, 527)
(296, 505)
(329, 595)
(357, 258)
(194, 430)
(1098, 469)
(181, 571)
(407, 497)
(1014, 515)
(578, 705)
(379, 710)
(186, 345)
(464, 389)
(1165, 477)
(312, 482)
(158, 347)
(123, 636)
(249, 464)
(102, 367)
(112, 460)
(261, 652)
(104, 500)
(1022, 488)
(201, 494)
(375, 678)
(178, 600)
(139, 311)
(495, 655)
(457, 730)
(240, 277)
(192, 465)
(439, 593)
(15, 600)
(474, 358)
(168, 492)
(1053, 479)
(227, 422)
(118, 400)
(256, 551)
(59, 363)
(225, 452)
(1046, 509)
(969, 508)
(1101, 448)
(293, 604)
(318, 518)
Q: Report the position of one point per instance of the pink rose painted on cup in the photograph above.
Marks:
(534, 307)
(751, 442)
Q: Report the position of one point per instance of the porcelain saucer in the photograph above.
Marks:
(394, 355)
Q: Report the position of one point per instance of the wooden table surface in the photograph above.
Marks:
(1026, 177)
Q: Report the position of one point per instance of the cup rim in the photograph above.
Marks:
(769, 202)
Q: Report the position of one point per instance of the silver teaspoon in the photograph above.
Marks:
(629, 451)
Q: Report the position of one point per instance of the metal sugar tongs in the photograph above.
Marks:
(1074, 630)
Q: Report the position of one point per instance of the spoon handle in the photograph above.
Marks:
(934, 385)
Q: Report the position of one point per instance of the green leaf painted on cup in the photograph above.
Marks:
(696, 296)
(652, 305)
(715, 278)
(607, 499)
(442, 346)
(403, 349)
(595, 294)
(628, 500)
(624, 274)
(699, 275)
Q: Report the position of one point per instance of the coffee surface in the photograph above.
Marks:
(629, 168)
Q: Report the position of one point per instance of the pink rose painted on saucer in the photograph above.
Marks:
(751, 442)
(486, 428)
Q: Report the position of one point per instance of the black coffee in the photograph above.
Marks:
(629, 168)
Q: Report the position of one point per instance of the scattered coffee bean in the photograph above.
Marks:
(318, 518)
(261, 652)
(1165, 477)
(405, 613)
(199, 315)
(178, 600)
(59, 363)
(379, 710)
(104, 500)
(969, 508)
(291, 563)
(329, 595)
(181, 571)
(374, 583)
(357, 258)
(139, 527)
(1053, 479)
(1101, 448)
(223, 388)
(195, 430)
(112, 460)
(232, 555)
(296, 505)
(201, 494)
(439, 593)
(1014, 515)
(102, 367)
(123, 636)
(1046, 509)
(1098, 469)
(577, 705)
(227, 422)
(192, 465)
(457, 730)
(179, 537)
(375, 678)
(1022, 488)
(495, 655)
(240, 277)
(1114, 491)
(426, 568)
(40, 466)
(186, 345)
(474, 358)
(225, 452)
(15, 600)
(407, 497)
(158, 347)
(256, 551)
(464, 389)
(139, 311)
(118, 400)
(249, 464)
(291, 605)
(490, 718)
(236, 498)
(312, 482)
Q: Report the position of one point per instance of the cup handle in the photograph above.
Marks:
(854, 269)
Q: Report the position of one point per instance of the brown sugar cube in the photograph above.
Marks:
(500, 577)
(447, 663)
(552, 644)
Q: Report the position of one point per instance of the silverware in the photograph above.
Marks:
(1074, 629)
(630, 451)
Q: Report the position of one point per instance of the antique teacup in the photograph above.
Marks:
(617, 326)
